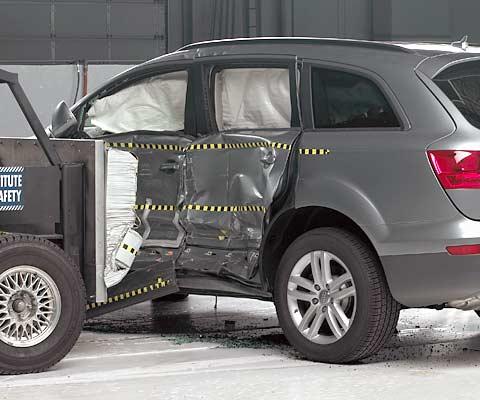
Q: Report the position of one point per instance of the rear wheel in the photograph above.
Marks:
(42, 304)
(332, 297)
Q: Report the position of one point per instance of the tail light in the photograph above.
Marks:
(456, 169)
(464, 250)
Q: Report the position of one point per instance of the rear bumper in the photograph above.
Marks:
(418, 280)
(418, 268)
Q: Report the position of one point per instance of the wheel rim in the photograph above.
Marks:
(321, 297)
(30, 306)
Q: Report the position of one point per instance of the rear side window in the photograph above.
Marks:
(345, 100)
(253, 98)
(461, 84)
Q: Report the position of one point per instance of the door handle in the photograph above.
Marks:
(169, 167)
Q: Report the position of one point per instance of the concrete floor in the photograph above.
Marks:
(189, 350)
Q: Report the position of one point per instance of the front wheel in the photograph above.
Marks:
(332, 298)
(42, 304)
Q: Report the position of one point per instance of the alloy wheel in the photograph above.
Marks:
(321, 297)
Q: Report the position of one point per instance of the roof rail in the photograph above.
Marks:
(299, 40)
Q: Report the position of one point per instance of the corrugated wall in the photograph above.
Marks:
(56, 31)
(59, 31)
(410, 20)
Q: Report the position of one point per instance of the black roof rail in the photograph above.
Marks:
(300, 40)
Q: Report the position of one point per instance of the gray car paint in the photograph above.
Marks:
(233, 177)
(380, 178)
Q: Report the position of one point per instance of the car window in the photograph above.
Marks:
(461, 84)
(252, 98)
(345, 100)
(153, 104)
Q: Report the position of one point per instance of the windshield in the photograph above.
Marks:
(461, 83)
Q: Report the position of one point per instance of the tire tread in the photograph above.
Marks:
(383, 309)
(73, 332)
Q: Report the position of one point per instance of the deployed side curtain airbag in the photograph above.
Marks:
(121, 194)
(253, 98)
(154, 104)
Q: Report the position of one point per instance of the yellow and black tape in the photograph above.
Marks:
(155, 207)
(236, 146)
(219, 146)
(203, 146)
(198, 207)
(130, 249)
(314, 152)
(131, 293)
(149, 146)
(245, 208)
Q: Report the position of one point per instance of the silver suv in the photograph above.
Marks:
(340, 178)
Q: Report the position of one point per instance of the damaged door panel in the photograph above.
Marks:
(234, 172)
(231, 180)
(146, 118)
(160, 164)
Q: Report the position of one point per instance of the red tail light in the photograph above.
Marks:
(464, 250)
(456, 169)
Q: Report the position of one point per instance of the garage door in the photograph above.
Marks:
(94, 30)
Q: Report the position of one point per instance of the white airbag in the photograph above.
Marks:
(154, 104)
(121, 195)
(252, 98)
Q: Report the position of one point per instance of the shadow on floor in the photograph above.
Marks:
(446, 336)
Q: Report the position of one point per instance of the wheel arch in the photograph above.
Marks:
(292, 223)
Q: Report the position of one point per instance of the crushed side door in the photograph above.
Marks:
(233, 177)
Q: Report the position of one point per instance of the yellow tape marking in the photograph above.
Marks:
(314, 152)
(202, 146)
(204, 208)
(160, 283)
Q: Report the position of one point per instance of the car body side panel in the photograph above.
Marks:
(404, 212)
(382, 180)
(231, 180)
(242, 177)
(431, 278)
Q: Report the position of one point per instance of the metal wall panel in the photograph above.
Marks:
(426, 19)
(358, 19)
(464, 19)
(59, 31)
(318, 18)
(16, 20)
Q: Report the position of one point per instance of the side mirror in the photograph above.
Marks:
(62, 120)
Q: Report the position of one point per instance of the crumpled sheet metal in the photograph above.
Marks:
(225, 263)
(233, 177)
(222, 194)
(163, 187)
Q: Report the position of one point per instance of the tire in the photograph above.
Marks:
(171, 297)
(48, 283)
(368, 305)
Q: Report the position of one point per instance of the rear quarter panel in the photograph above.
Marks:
(380, 178)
